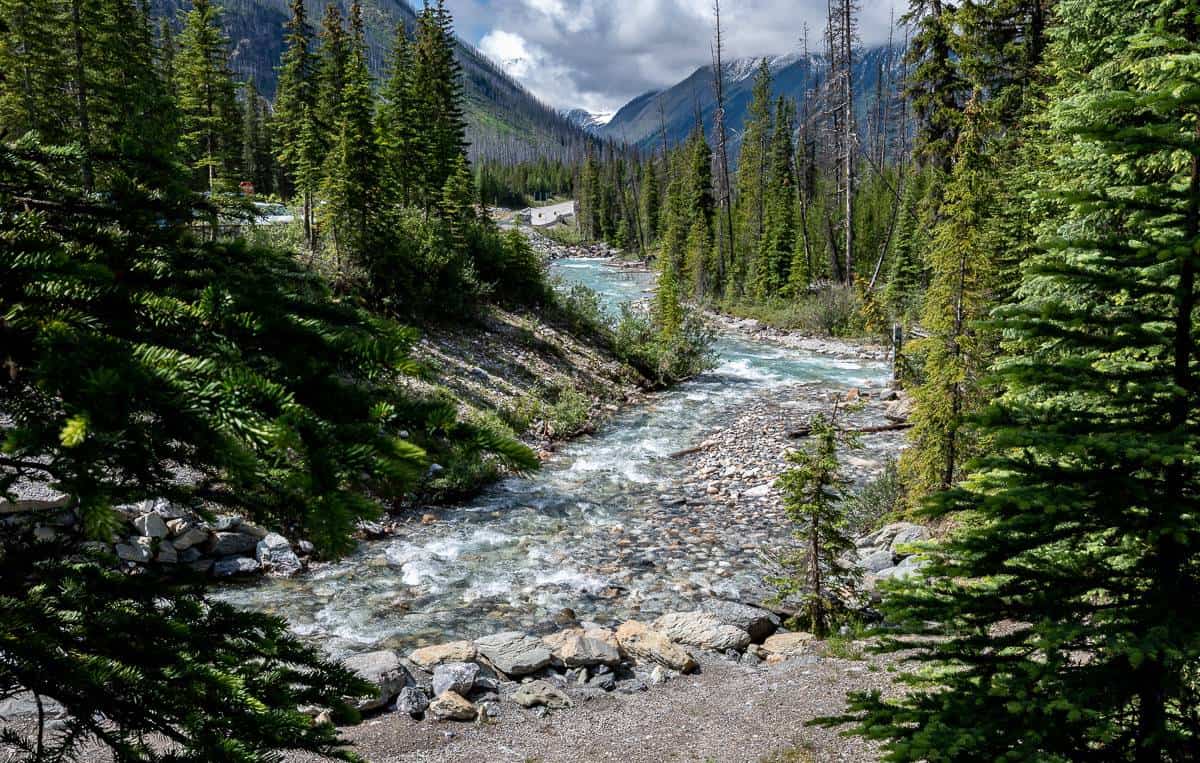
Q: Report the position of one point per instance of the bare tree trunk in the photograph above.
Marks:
(724, 188)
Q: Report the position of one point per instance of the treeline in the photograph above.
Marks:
(512, 185)
(147, 353)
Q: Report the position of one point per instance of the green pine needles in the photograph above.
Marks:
(814, 492)
(1062, 621)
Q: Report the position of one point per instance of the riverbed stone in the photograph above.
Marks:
(232, 566)
(642, 643)
(412, 700)
(541, 694)
(455, 651)
(151, 526)
(458, 677)
(135, 551)
(453, 707)
(383, 670)
(231, 544)
(578, 648)
(189, 537)
(759, 623)
(788, 644)
(514, 653)
(703, 630)
(876, 560)
(275, 553)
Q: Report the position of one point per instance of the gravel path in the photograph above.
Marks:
(727, 713)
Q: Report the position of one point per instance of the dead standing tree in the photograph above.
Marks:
(841, 40)
(724, 189)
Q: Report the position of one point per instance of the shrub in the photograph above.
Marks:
(834, 311)
(876, 501)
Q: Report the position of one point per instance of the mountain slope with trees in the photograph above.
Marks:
(505, 121)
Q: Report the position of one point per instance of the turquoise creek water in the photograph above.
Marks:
(589, 531)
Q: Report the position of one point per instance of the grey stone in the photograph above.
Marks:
(876, 560)
(541, 694)
(189, 555)
(45, 534)
(412, 701)
(229, 544)
(906, 537)
(151, 526)
(458, 677)
(275, 553)
(252, 530)
(227, 523)
(193, 536)
(232, 566)
(166, 553)
(135, 551)
(759, 623)
(384, 671)
(703, 630)
(605, 682)
(514, 653)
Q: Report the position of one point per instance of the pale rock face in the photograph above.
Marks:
(703, 630)
(788, 644)
(515, 653)
(453, 707)
(579, 648)
(458, 677)
(455, 651)
(642, 643)
(382, 669)
(541, 694)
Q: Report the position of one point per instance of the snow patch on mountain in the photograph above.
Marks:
(589, 120)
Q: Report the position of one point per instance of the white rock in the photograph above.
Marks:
(384, 670)
(151, 526)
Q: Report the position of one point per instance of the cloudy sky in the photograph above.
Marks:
(598, 54)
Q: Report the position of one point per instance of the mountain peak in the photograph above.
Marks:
(588, 120)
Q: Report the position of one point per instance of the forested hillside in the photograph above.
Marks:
(670, 114)
(505, 121)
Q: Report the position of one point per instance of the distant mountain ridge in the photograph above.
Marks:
(589, 121)
(641, 122)
(506, 121)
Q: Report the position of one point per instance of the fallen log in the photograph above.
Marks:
(689, 451)
(797, 434)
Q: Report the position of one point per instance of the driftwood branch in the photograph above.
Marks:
(796, 434)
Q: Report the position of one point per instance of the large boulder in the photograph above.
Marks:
(384, 671)
(232, 566)
(541, 693)
(455, 651)
(643, 644)
(514, 653)
(458, 677)
(578, 648)
(788, 644)
(886, 537)
(412, 700)
(151, 526)
(703, 630)
(275, 553)
(231, 544)
(189, 536)
(453, 707)
(874, 560)
(759, 623)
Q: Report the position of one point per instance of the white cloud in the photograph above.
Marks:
(598, 54)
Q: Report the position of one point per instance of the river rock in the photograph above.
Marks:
(275, 553)
(151, 526)
(759, 623)
(232, 566)
(541, 694)
(788, 644)
(458, 677)
(703, 630)
(412, 701)
(904, 570)
(453, 707)
(135, 551)
(642, 643)
(231, 544)
(381, 669)
(578, 648)
(906, 536)
(515, 653)
(166, 553)
(455, 651)
(874, 561)
(188, 537)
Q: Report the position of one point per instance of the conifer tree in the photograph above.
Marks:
(36, 70)
(650, 202)
(333, 57)
(813, 492)
(297, 147)
(437, 95)
(958, 351)
(353, 188)
(935, 87)
(399, 139)
(778, 243)
(753, 169)
(1060, 623)
(209, 117)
